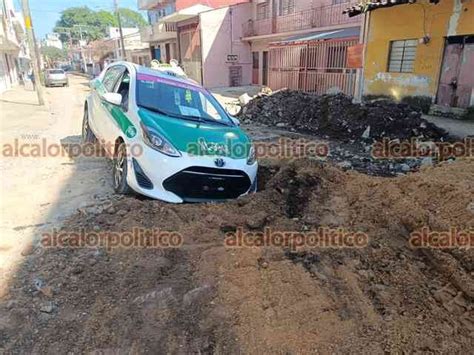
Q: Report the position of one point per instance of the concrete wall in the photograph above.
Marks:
(447, 18)
(221, 33)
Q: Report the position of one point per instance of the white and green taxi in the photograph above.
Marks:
(169, 137)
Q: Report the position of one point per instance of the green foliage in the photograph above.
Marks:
(53, 53)
(93, 24)
(131, 18)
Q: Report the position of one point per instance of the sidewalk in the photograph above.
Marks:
(457, 128)
(17, 105)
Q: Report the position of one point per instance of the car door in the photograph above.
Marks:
(102, 107)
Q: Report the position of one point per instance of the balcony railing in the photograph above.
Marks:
(312, 18)
(150, 4)
(158, 32)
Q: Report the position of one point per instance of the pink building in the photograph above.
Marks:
(302, 44)
(280, 43)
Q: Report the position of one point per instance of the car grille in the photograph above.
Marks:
(142, 180)
(196, 184)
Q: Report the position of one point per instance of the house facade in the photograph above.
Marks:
(419, 48)
(14, 57)
(302, 44)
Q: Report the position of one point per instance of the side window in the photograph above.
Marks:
(110, 78)
(123, 88)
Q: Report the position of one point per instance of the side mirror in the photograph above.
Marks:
(113, 98)
(93, 83)
(235, 120)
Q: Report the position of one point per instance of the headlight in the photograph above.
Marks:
(252, 158)
(156, 141)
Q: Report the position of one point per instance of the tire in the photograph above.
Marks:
(120, 171)
(87, 135)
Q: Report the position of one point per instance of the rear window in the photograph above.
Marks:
(56, 71)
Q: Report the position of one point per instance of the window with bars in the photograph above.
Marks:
(402, 56)
(263, 11)
(287, 7)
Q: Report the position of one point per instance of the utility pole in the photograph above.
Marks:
(84, 64)
(34, 53)
(122, 43)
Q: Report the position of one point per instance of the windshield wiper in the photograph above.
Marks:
(203, 119)
(157, 110)
(184, 117)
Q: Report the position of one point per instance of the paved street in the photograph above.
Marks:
(38, 193)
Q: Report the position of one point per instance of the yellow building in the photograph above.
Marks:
(419, 48)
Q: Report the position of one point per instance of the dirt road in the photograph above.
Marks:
(40, 189)
(214, 294)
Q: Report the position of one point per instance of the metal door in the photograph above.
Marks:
(457, 77)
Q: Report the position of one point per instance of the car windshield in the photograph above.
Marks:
(56, 71)
(179, 99)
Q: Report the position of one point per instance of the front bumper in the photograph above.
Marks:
(189, 178)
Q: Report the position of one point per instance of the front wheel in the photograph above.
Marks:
(120, 171)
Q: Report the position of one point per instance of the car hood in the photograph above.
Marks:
(199, 138)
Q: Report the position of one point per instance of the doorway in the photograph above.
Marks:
(265, 68)
(456, 82)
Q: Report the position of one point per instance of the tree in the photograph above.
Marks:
(53, 54)
(93, 24)
(131, 18)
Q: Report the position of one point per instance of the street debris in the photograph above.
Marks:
(207, 296)
(337, 117)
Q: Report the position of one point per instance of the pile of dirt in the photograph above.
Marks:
(208, 297)
(337, 117)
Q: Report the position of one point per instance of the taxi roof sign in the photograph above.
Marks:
(172, 68)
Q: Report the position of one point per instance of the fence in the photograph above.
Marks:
(313, 67)
(323, 16)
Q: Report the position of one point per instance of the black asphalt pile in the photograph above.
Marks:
(337, 117)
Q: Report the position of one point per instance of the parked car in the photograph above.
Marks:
(55, 77)
(168, 136)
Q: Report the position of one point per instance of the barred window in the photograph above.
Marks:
(402, 56)
(263, 11)
(287, 7)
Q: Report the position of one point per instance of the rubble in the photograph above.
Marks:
(341, 299)
(336, 116)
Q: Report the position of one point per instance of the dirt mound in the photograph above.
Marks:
(337, 117)
(208, 297)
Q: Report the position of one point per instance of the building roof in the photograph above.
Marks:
(321, 35)
(370, 5)
(185, 14)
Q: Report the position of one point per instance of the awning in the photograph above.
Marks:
(350, 32)
(185, 14)
(366, 6)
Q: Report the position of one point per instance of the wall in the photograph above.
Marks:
(447, 18)
(221, 33)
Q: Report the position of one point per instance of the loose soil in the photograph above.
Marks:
(205, 297)
(336, 116)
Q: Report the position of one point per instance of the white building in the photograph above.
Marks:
(52, 40)
(14, 58)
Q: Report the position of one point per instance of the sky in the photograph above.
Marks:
(45, 13)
